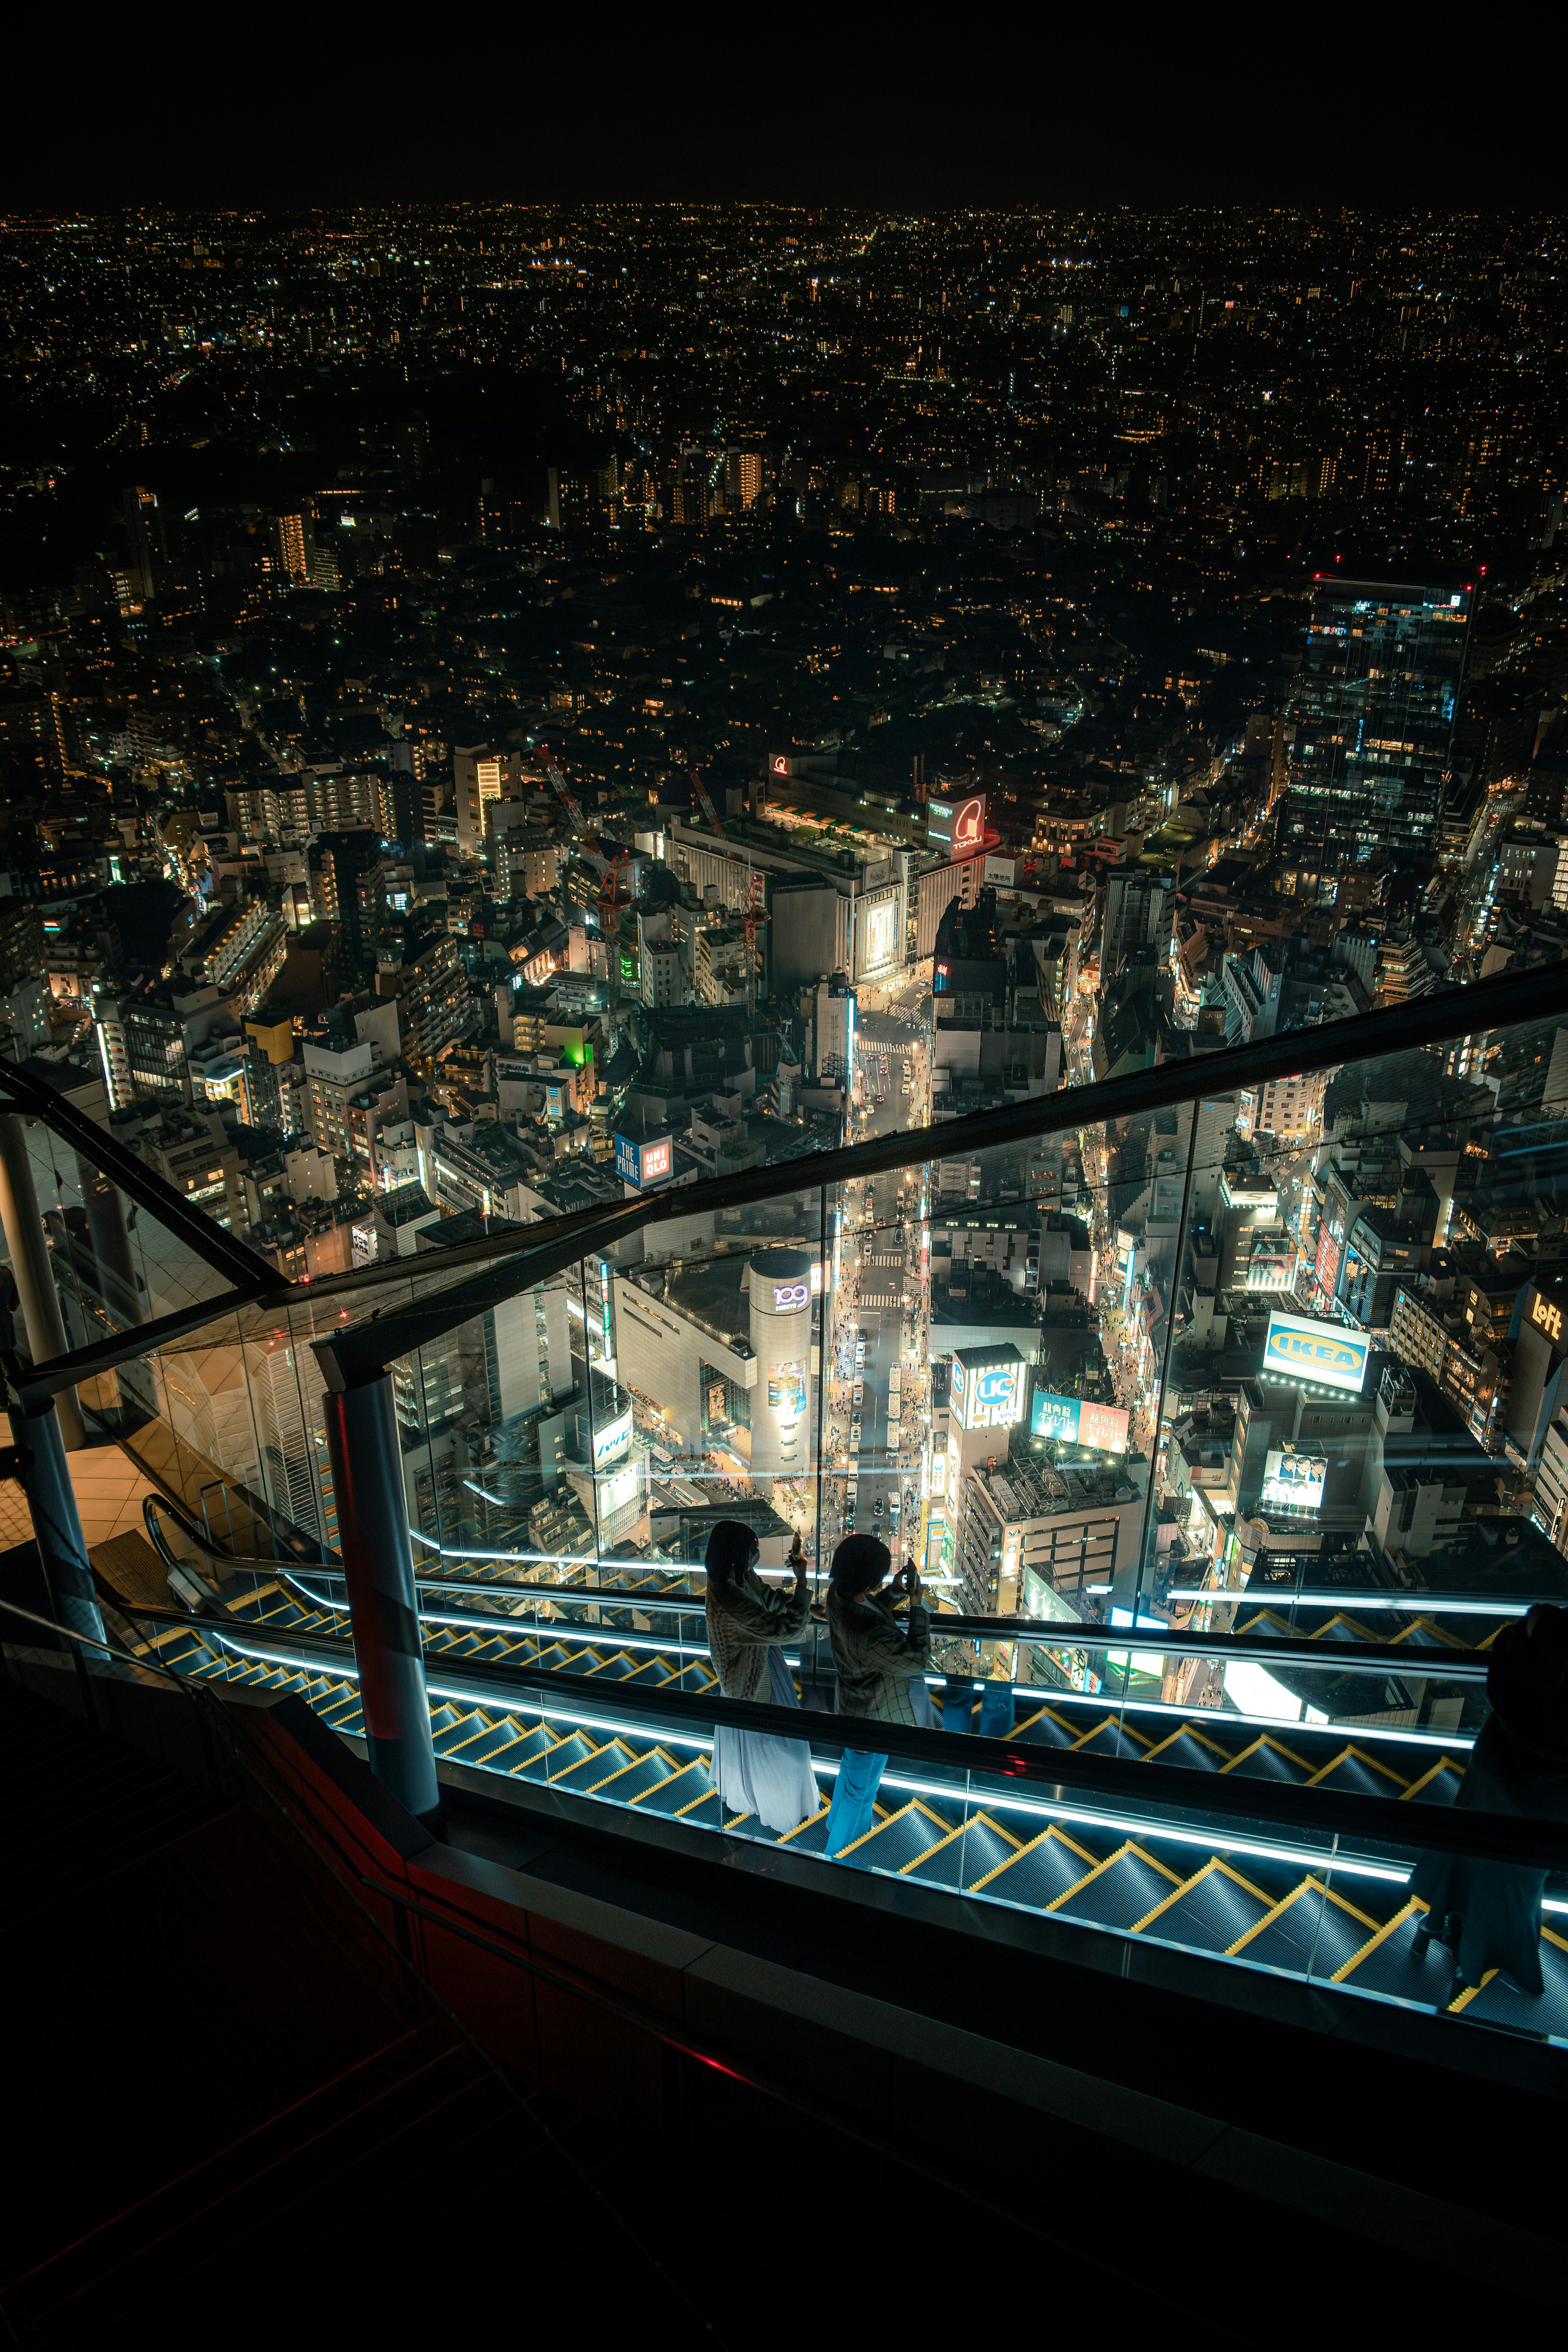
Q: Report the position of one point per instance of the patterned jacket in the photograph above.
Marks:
(877, 1658)
(745, 1619)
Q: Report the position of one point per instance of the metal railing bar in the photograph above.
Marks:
(555, 1243)
(1434, 1663)
(1182, 1790)
(31, 1098)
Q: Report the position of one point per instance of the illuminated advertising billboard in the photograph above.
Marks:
(786, 1389)
(958, 825)
(881, 934)
(1292, 1481)
(1324, 1354)
(612, 1438)
(1078, 1421)
(1326, 1265)
(988, 1388)
(643, 1163)
(1545, 1314)
(1104, 1425)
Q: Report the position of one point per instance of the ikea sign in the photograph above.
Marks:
(1299, 1348)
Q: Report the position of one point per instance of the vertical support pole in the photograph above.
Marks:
(111, 1244)
(384, 1605)
(23, 1229)
(56, 1522)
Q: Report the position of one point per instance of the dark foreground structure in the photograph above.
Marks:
(379, 1945)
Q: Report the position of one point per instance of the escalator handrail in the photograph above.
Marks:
(1311, 1813)
(1372, 1657)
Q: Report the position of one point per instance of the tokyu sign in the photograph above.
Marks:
(959, 824)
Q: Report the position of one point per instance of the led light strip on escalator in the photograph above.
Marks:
(1031, 1808)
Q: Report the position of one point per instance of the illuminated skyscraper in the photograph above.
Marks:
(296, 544)
(1374, 721)
(144, 531)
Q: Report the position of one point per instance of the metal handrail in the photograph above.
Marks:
(1179, 1790)
(557, 1241)
(1457, 1664)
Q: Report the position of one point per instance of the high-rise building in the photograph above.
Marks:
(1375, 719)
(482, 776)
(296, 536)
(348, 885)
(144, 533)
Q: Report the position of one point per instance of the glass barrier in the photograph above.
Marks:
(1259, 1372)
(115, 1265)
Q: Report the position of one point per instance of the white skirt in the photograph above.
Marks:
(758, 1773)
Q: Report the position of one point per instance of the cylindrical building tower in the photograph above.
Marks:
(781, 1338)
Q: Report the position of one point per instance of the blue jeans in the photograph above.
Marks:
(854, 1797)
(996, 1707)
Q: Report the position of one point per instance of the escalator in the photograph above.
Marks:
(1302, 1907)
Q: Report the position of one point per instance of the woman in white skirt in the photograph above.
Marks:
(756, 1772)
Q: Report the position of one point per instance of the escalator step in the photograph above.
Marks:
(1210, 1913)
(974, 1851)
(1111, 1738)
(611, 1758)
(1045, 1729)
(1313, 1929)
(685, 1783)
(499, 1742)
(1040, 1872)
(1357, 1774)
(907, 1834)
(1123, 1890)
(1438, 1785)
(1498, 2001)
(635, 1780)
(560, 1755)
(1191, 1751)
(1266, 1760)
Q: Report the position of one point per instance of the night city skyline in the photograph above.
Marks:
(783, 1178)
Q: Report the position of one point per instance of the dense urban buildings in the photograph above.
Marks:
(679, 881)
(472, 753)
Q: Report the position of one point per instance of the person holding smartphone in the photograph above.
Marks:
(881, 1666)
(756, 1772)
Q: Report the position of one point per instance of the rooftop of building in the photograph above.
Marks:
(714, 1294)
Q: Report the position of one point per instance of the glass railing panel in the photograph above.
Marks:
(1364, 1434)
(115, 1264)
(1051, 1266)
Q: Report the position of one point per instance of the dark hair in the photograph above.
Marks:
(859, 1563)
(731, 1548)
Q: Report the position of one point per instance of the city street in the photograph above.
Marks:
(880, 1322)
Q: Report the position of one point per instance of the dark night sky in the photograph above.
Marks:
(924, 112)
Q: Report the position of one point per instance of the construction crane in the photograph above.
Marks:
(610, 870)
(708, 808)
(753, 916)
(588, 841)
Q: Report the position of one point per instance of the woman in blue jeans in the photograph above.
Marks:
(881, 1666)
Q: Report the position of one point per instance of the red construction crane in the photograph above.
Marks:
(588, 841)
(753, 916)
(702, 795)
(609, 869)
